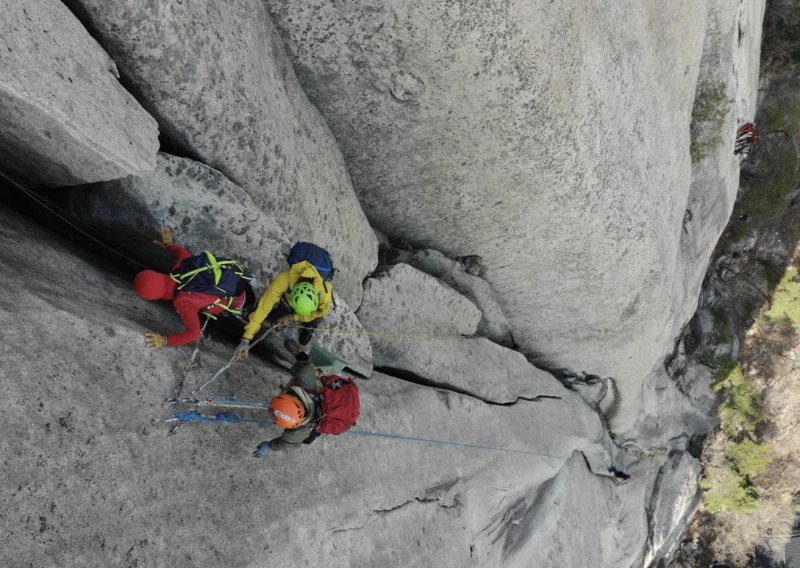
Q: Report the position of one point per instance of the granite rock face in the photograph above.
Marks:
(206, 211)
(493, 324)
(546, 138)
(81, 396)
(64, 117)
(216, 78)
(531, 134)
(675, 499)
(413, 301)
(416, 323)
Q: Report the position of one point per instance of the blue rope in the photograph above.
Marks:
(219, 417)
(232, 418)
(446, 443)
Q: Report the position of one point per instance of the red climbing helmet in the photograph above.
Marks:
(152, 285)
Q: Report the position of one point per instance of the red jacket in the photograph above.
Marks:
(190, 304)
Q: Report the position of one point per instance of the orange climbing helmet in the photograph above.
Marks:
(287, 411)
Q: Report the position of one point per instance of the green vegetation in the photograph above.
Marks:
(729, 485)
(728, 493)
(741, 411)
(785, 304)
(750, 458)
(729, 481)
(711, 106)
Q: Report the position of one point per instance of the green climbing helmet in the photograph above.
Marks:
(305, 299)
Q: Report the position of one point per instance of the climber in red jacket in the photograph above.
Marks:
(188, 286)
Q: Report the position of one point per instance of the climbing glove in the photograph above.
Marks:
(262, 450)
(166, 238)
(242, 350)
(155, 340)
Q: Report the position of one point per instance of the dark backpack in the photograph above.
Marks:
(340, 405)
(317, 256)
(208, 274)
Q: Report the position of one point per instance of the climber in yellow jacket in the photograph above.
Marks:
(298, 294)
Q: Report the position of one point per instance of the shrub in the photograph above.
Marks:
(727, 491)
(785, 302)
(750, 459)
(741, 410)
(711, 106)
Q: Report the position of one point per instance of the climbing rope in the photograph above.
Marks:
(450, 443)
(185, 373)
(51, 207)
(221, 403)
(227, 365)
(183, 417)
(369, 333)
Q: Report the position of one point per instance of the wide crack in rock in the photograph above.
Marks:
(412, 378)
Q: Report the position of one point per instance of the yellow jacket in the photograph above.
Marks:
(281, 286)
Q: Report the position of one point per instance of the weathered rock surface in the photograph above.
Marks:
(730, 61)
(415, 323)
(675, 499)
(545, 156)
(80, 395)
(207, 211)
(493, 324)
(64, 117)
(548, 139)
(417, 302)
(218, 81)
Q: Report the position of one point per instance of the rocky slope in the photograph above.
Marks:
(550, 141)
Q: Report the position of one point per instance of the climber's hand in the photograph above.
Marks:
(242, 350)
(155, 340)
(262, 450)
(166, 238)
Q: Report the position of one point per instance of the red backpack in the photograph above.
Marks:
(340, 405)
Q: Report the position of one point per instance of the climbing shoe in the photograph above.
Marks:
(295, 349)
(304, 337)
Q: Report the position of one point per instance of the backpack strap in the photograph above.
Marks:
(308, 397)
(325, 283)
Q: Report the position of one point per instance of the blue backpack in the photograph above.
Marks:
(205, 273)
(317, 256)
